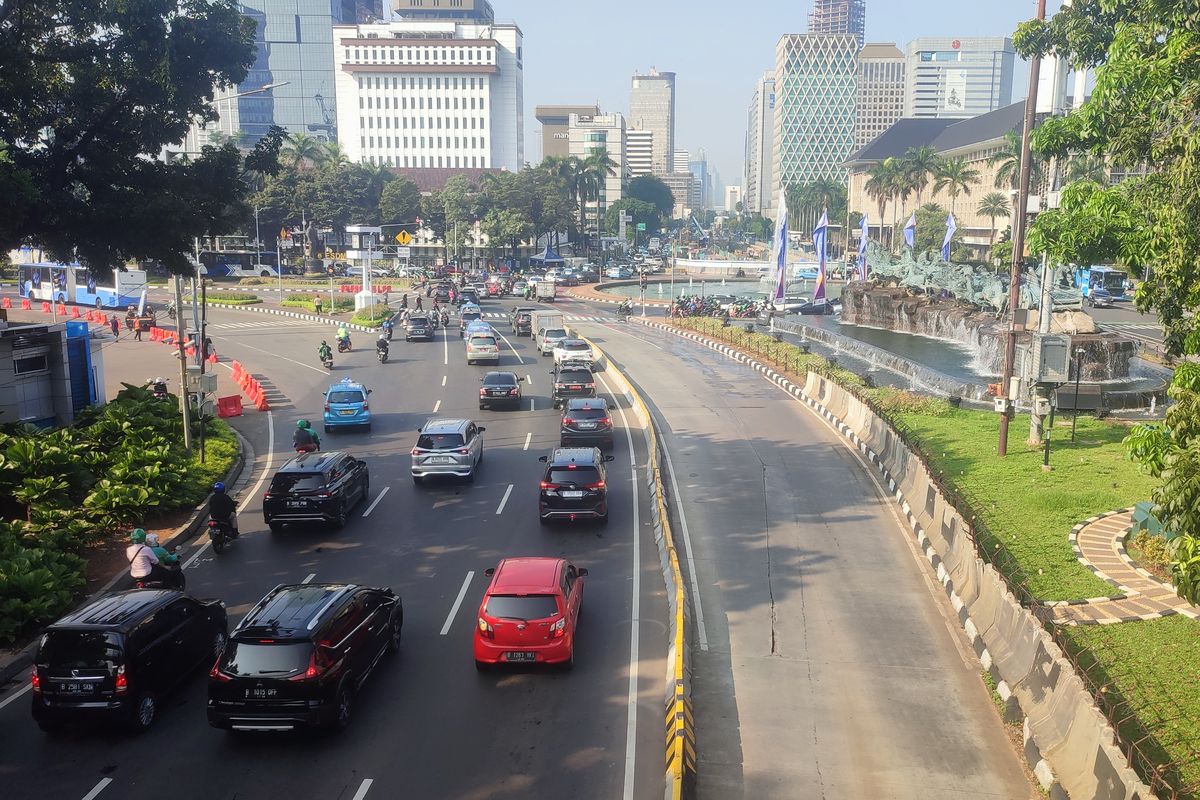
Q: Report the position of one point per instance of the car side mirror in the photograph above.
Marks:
(543, 459)
(582, 572)
(490, 571)
(481, 429)
(609, 458)
(370, 390)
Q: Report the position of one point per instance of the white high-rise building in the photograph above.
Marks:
(958, 77)
(880, 91)
(652, 108)
(602, 133)
(760, 141)
(431, 94)
(733, 196)
(639, 152)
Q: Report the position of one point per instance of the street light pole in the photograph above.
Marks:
(1075, 404)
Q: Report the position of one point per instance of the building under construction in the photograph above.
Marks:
(839, 16)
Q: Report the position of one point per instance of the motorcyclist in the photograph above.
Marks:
(626, 308)
(305, 438)
(325, 352)
(222, 508)
(168, 561)
(381, 344)
(143, 562)
(343, 333)
(388, 328)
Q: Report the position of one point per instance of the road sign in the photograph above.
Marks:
(641, 226)
(403, 252)
(403, 238)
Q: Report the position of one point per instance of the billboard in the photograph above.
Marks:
(955, 99)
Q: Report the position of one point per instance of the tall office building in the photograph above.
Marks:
(437, 94)
(702, 187)
(555, 122)
(839, 16)
(733, 196)
(880, 91)
(760, 146)
(816, 94)
(682, 160)
(602, 133)
(652, 108)
(639, 151)
(958, 77)
(459, 10)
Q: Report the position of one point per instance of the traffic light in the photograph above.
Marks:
(642, 280)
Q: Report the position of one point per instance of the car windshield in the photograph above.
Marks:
(470, 316)
(574, 376)
(500, 379)
(575, 475)
(285, 482)
(483, 341)
(439, 441)
(522, 316)
(587, 413)
(555, 333)
(345, 396)
(574, 346)
(415, 321)
(530, 606)
(242, 658)
(78, 648)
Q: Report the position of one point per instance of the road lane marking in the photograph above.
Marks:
(378, 497)
(97, 789)
(528, 439)
(444, 380)
(446, 347)
(308, 578)
(701, 633)
(504, 500)
(436, 406)
(510, 347)
(363, 788)
(635, 612)
(15, 695)
(457, 602)
(273, 355)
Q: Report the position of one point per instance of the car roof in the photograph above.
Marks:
(348, 383)
(117, 611)
(590, 403)
(293, 611)
(312, 462)
(571, 340)
(445, 425)
(580, 456)
(574, 365)
(512, 375)
(526, 576)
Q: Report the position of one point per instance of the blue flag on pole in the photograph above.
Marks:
(910, 230)
(779, 245)
(862, 250)
(820, 234)
(950, 229)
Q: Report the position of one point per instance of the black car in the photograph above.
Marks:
(521, 320)
(300, 655)
(574, 485)
(418, 327)
(588, 275)
(118, 656)
(568, 279)
(442, 293)
(316, 487)
(500, 389)
(467, 296)
(586, 421)
(572, 380)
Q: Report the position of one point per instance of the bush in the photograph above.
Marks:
(310, 303)
(372, 317)
(36, 583)
(232, 298)
(1152, 550)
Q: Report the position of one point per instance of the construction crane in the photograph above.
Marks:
(700, 228)
(328, 126)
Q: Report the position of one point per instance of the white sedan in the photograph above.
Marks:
(573, 350)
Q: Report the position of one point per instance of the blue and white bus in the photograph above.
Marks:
(1112, 280)
(74, 283)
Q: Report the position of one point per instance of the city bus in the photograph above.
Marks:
(74, 283)
(1113, 280)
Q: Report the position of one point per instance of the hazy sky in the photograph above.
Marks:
(586, 52)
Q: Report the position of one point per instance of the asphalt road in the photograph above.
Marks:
(826, 662)
(427, 725)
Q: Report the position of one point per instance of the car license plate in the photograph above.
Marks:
(587, 426)
(441, 460)
(346, 412)
(261, 694)
(498, 392)
(572, 495)
(520, 655)
(297, 503)
(76, 688)
(575, 386)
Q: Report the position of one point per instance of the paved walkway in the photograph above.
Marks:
(1099, 544)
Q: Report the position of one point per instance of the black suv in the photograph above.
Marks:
(441, 293)
(586, 420)
(120, 654)
(571, 380)
(297, 659)
(521, 320)
(418, 327)
(316, 487)
(575, 485)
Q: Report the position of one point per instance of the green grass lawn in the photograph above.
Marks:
(1030, 511)
(1150, 669)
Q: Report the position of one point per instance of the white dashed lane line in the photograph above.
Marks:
(308, 578)
(97, 789)
(457, 602)
(378, 497)
(528, 439)
(504, 500)
(363, 788)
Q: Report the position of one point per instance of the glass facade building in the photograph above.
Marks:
(652, 108)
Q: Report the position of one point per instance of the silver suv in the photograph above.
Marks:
(447, 447)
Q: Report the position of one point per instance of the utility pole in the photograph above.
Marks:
(180, 331)
(1021, 217)
(1041, 390)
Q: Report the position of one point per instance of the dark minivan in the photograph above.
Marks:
(120, 654)
(574, 485)
(570, 380)
(316, 487)
(300, 655)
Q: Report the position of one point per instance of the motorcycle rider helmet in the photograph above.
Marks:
(303, 424)
(218, 487)
(138, 536)
(383, 337)
(152, 539)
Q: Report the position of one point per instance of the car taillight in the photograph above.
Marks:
(122, 684)
(313, 670)
(485, 629)
(483, 392)
(513, 392)
(548, 485)
(558, 629)
(415, 452)
(567, 421)
(366, 406)
(606, 421)
(327, 406)
(596, 485)
(464, 451)
(216, 673)
(35, 681)
(324, 495)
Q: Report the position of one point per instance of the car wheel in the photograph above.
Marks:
(276, 527)
(328, 429)
(543, 520)
(604, 518)
(145, 709)
(339, 521)
(483, 666)
(344, 706)
(569, 664)
(394, 641)
(418, 480)
(471, 474)
(50, 726)
(218, 643)
(482, 407)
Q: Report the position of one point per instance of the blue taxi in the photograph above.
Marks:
(346, 404)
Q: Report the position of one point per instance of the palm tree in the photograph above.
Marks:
(901, 187)
(1086, 167)
(597, 168)
(921, 163)
(1009, 160)
(954, 175)
(332, 154)
(302, 151)
(879, 188)
(994, 204)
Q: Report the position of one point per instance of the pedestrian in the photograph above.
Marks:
(115, 324)
(137, 330)
(317, 304)
(385, 297)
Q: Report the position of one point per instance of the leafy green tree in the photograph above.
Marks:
(302, 151)
(641, 211)
(90, 93)
(400, 201)
(653, 191)
(931, 229)
(458, 201)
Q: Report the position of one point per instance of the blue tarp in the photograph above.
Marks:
(547, 256)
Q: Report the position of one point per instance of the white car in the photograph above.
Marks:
(573, 350)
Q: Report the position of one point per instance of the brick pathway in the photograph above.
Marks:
(1098, 543)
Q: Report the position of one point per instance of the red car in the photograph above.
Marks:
(529, 612)
(493, 290)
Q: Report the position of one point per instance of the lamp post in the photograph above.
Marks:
(1075, 404)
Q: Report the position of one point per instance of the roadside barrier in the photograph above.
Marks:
(7, 303)
(679, 729)
(230, 406)
(26, 305)
(1069, 744)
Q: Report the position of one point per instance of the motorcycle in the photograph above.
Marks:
(172, 577)
(382, 355)
(171, 312)
(220, 534)
(445, 319)
(388, 329)
(344, 345)
(327, 362)
(158, 389)
(623, 312)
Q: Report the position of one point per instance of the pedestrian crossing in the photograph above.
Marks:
(267, 324)
(490, 315)
(1131, 326)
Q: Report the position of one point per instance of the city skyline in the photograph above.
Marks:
(716, 65)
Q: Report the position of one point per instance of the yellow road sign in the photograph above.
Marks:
(403, 237)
